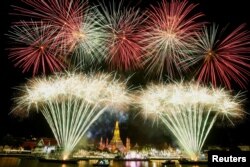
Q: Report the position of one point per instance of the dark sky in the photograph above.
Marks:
(226, 12)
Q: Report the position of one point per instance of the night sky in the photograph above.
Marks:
(231, 13)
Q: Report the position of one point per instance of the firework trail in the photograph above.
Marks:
(34, 48)
(71, 103)
(80, 37)
(222, 60)
(85, 41)
(189, 111)
(59, 13)
(168, 36)
(123, 37)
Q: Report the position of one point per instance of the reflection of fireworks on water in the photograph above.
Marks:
(222, 60)
(122, 29)
(189, 111)
(168, 36)
(71, 103)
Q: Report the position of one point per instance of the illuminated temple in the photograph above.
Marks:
(116, 143)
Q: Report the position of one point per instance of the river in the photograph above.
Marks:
(28, 162)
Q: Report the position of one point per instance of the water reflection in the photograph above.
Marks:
(83, 163)
(9, 162)
(136, 164)
(17, 162)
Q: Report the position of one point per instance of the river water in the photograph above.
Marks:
(25, 162)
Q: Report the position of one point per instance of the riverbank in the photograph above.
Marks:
(176, 160)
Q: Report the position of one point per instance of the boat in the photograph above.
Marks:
(102, 163)
(54, 160)
(167, 162)
(198, 162)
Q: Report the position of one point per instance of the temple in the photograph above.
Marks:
(116, 143)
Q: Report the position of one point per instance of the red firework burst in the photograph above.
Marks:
(122, 26)
(58, 13)
(73, 21)
(168, 36)
(224, 59)
(35, 49)
(65, 15)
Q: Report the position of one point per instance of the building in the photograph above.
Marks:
(43, 145)
(116, 144)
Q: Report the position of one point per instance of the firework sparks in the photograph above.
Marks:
(168, 36)
(80, 37)
(35, 49)
(222, 60)
(85, 40)
(122, 28)
(71, 103)
(59, 13)
(189, 111)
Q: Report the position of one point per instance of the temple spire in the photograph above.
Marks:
(116, 140)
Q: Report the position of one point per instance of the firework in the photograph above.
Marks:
(122, 29)
(168, 36)
(189, 111)
(85, 41)
(59, 13)
(35, 49)
(166, 39)
(79, 36)
(222, 60)
(71, 103)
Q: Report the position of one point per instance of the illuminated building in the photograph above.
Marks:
(116, 143)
